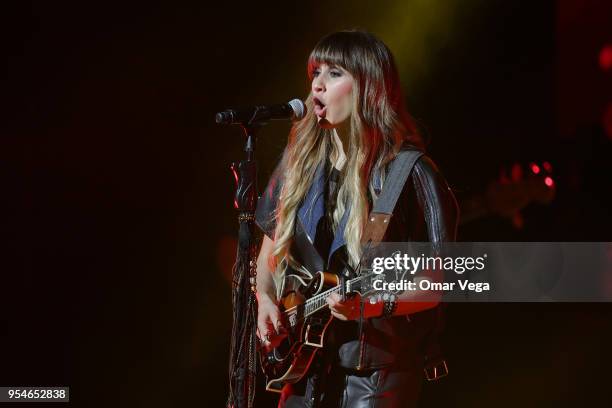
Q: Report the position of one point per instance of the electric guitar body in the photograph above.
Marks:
(306, 328)
(307, 318)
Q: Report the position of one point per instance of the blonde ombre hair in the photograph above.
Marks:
(379, 126)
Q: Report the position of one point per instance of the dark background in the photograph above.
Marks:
(119, 229)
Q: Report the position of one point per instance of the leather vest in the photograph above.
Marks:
(426, 211)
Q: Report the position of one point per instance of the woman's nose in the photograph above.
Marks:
(317, 85)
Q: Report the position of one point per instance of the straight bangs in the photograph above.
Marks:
(334, 51)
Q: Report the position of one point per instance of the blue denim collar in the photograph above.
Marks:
(312, 210)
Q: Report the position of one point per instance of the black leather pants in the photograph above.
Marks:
(382, 388)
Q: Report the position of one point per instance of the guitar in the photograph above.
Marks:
(306, 314)
(515, 188)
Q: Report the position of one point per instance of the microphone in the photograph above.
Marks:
(294, 109)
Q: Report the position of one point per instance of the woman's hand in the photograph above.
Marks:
(347, 310)
(270, 329)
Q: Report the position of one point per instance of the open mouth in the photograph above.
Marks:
(319, 108)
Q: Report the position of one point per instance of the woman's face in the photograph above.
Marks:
(332, 91)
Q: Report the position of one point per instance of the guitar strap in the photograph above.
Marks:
(381, 213)
(374, 232)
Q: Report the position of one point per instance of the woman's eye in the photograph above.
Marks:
(315, 73)
(335, 74)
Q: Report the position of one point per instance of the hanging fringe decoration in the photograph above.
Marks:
(243, 362)
(243, 346)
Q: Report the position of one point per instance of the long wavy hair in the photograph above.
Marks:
(379, 127)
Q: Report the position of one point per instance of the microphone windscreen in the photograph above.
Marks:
(298, 107)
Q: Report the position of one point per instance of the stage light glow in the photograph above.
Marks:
(420, 29)
(605, 57)
(549, 181)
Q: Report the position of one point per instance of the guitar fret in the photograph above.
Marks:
(315, 303)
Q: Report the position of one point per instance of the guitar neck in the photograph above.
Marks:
(317, 302)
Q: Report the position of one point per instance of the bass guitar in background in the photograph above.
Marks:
(515, 188)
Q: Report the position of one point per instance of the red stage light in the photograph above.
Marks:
(605, 57)
(549, 181)
(535, 168)
(547, 166)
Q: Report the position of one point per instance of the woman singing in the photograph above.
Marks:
(313, 215)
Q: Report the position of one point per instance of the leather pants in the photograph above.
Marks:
(340, 388)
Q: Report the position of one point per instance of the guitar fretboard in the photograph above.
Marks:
(298, 313)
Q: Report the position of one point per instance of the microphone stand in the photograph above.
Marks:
(243, 363)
